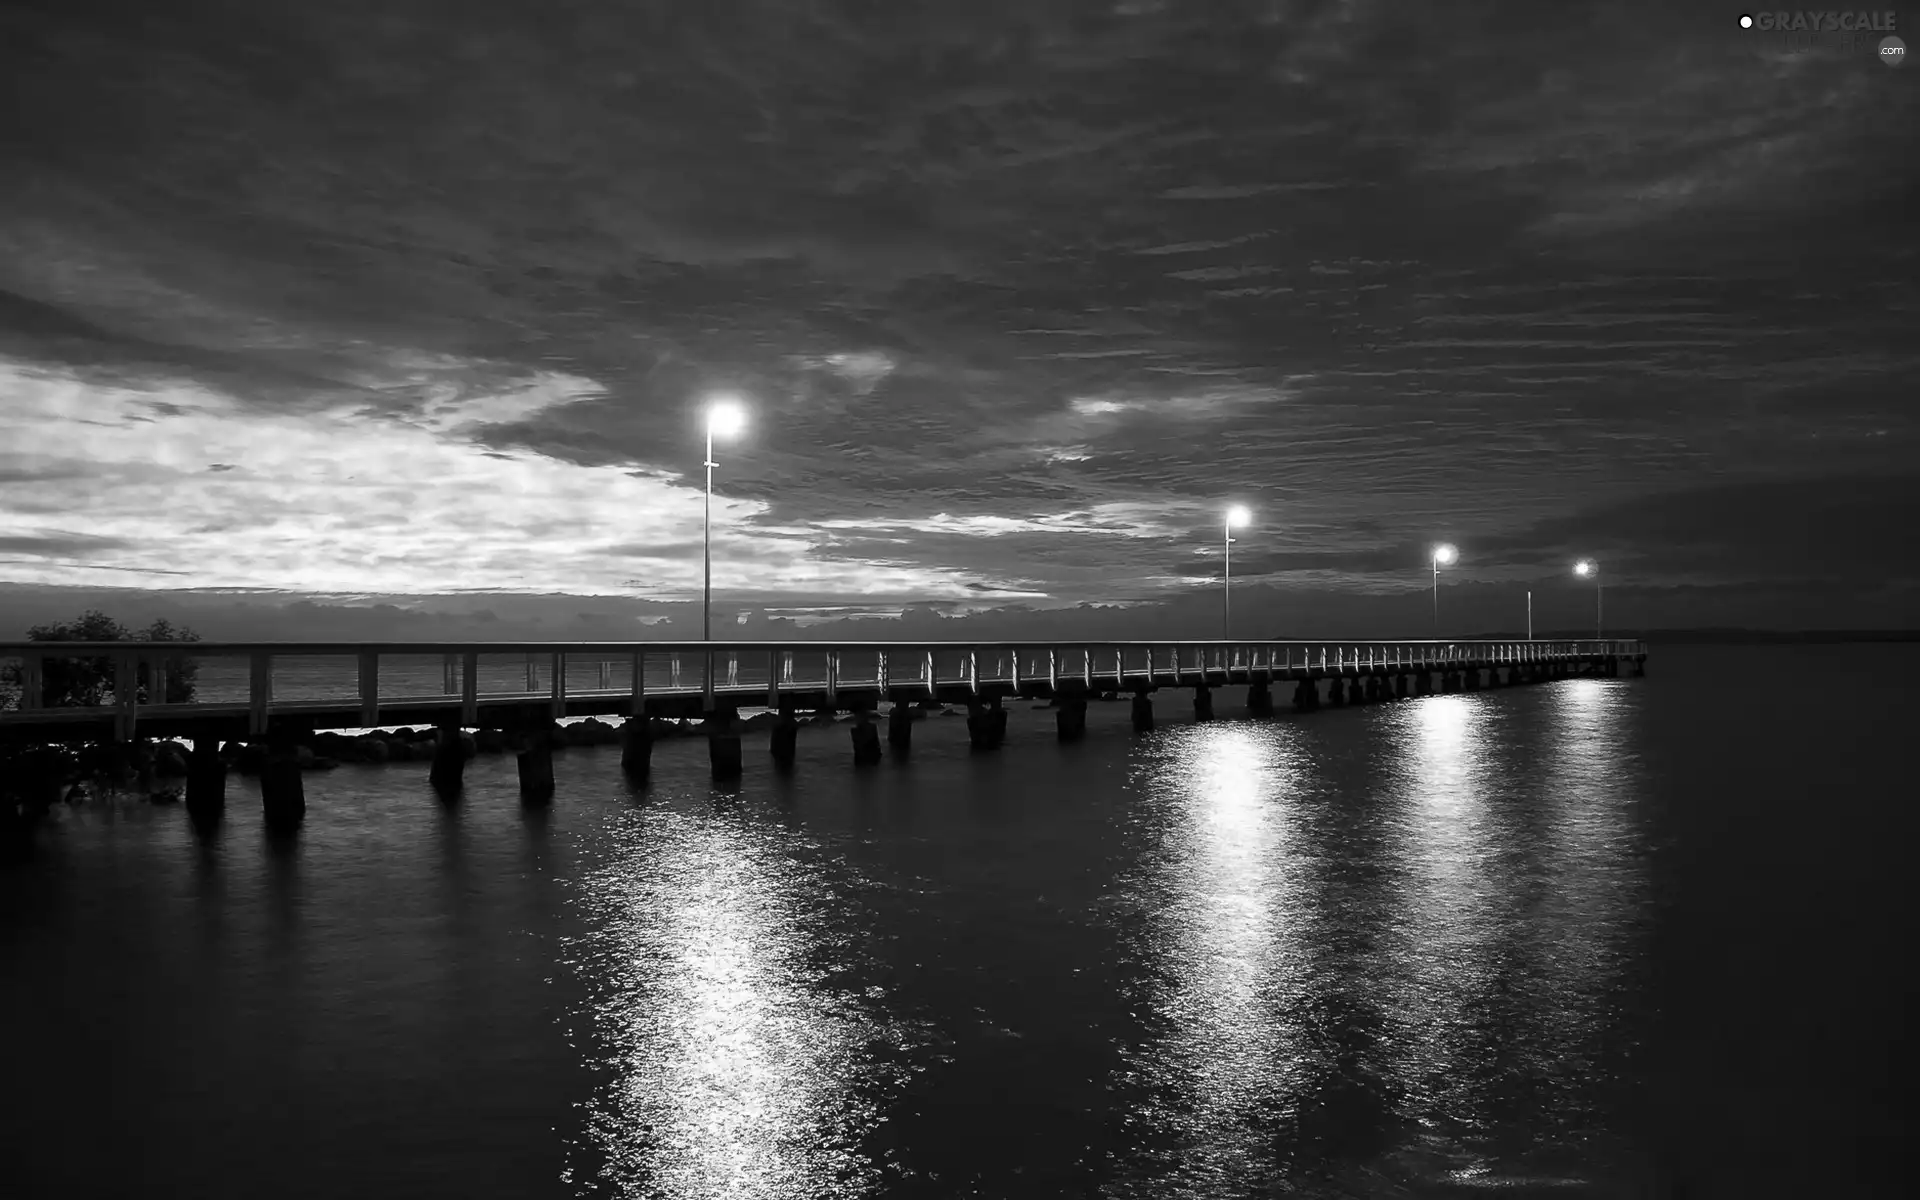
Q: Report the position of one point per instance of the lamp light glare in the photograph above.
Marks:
(726, 418)
(1584, 567)
(1238, 515)
(1444, 555)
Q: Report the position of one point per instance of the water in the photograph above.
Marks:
(1590, 938)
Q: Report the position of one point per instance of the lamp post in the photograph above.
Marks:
(726, 418)
(1236, 515)
(1585, 568)
(1443, 555)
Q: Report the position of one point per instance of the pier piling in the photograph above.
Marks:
(206, 776)
(283, 797)
(636, 748)
(786, 731)
(723, 744)
(900, 727)
(535, 760)
(1202, 703)
(1070, 719)
(1259, 699)
(1142, 711)
(449, 761)
(866, 739)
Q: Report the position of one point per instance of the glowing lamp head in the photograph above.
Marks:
(1238, 516)
(726, 417)
(1443, 555)
(1585, 567)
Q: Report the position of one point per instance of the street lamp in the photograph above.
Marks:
(726, 417)
(1443, 555)
(1585, 568)
(1236, 515)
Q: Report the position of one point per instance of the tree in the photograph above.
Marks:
(85, 682)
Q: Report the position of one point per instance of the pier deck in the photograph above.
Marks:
(847, 677)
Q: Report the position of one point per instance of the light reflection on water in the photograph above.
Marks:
(1222, 932)
(738, 1069)
(1379, 954)
(1378, 949)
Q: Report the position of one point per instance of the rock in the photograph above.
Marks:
(399, 750)
(371, 750)
(304, 756)
(595, 732)
(170, 761)
(764, 720)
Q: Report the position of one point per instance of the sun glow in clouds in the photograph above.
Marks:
(118, 485)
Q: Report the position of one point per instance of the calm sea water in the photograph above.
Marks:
(1590, 938)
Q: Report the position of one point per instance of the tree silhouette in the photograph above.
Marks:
(86, 682)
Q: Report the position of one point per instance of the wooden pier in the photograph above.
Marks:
(713, 681)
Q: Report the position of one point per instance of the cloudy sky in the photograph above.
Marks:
(406, 300)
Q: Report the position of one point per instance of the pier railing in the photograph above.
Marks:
(359, 681)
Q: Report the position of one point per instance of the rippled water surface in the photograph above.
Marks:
(1591, 938)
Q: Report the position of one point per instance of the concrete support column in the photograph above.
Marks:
(900, 727)
(786, 731)
(636, 748)
(866, 739)
(535, 759)
(723, 744)
(1336, 692)
(1202, 703)
(980, 722)
(283, 796)
(1374, 689)
(449, 760)
(1070, 719)
(1399, 687)
(1259, 699)
(1142, 712)
(1470, 678)
(206, 776)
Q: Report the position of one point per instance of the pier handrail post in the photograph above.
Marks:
(933, 676)
(833, 676)
(369, 688)
(446, 674)
(773, 679)
(557, 700)
(1053, 668)
(259, 691)
(1014, 674)
(32, 680)
(470, 689)
(973, 670)
(126, 695)
(637, 687)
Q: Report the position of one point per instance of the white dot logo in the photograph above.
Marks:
(1893, 51)
(1746, 22)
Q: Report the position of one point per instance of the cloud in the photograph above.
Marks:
(338, 300)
